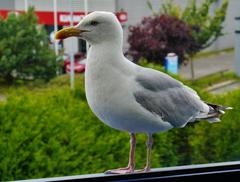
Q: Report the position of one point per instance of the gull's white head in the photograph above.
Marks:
(96, 28)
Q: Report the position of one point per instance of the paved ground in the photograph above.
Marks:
(209, 65)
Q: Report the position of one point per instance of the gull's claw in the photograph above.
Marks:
(146, 169)
(125, 170)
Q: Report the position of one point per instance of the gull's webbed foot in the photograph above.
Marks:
(146, 169)
(125, 170)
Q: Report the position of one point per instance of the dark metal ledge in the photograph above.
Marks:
(215, 171)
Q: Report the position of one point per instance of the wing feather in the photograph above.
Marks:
(168, 98)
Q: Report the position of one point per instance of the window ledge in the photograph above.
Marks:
(216, 171)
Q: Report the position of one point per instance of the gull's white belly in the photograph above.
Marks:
(114, 105)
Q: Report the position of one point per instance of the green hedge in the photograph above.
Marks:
(50, 131)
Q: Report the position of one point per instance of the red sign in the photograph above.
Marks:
(64, 18)
(122, 16)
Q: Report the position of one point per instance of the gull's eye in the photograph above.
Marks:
(94, 23)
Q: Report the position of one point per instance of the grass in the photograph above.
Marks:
(205, 54)
(210, 80)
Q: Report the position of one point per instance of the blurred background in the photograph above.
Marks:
(46, 126)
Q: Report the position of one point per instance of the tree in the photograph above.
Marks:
(24, 48)
(158, 35)
(206, 26)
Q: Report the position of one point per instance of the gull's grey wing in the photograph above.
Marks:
(168, 98)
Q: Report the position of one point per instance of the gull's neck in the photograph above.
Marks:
(106, 51)
(105, 60)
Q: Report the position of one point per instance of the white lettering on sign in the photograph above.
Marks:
(122, 17)
(67, 18)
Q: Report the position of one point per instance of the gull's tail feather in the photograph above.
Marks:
(215, 112)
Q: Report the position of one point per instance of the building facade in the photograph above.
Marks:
(131, 12)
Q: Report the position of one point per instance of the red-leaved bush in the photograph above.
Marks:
(157, 36)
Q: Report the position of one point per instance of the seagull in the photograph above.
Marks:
(128, 97)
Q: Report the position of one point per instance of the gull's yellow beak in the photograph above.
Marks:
(68, 32)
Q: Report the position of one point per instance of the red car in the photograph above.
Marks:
(79, 63)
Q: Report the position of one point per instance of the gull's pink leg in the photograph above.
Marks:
(147, 168)
(131, 163)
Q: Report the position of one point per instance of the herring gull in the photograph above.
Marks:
(128, 97)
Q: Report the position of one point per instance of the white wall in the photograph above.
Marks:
(7, 4)
(227, 40)
(65, 5)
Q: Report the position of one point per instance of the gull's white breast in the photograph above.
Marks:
(109, 91)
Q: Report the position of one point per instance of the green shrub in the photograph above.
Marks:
(50, 131)
(24, 49)
(219, 142)
(156, 36)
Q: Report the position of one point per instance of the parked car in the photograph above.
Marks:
(79, 63)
